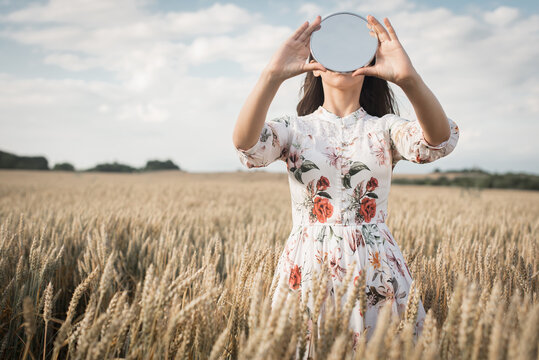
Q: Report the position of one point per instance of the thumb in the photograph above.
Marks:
(366, 70)
(314, 66)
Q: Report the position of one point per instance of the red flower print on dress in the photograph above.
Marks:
(368, 208)
(318, 200)
(322, 183)
(295, 277)
(322, 209)
(372, 184)
(364, 200)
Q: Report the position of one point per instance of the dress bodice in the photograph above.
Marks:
(340, 168)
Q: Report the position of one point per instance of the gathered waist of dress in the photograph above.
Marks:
(353, 224)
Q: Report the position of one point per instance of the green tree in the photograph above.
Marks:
(152, 165)
(64, 167)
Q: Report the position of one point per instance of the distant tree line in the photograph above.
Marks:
(152, 165)
(476, 178)
(12, 161)
(469, 178)
(474, 169)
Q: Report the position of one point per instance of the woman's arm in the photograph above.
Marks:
(393, 64)
(433, 135)
(288, 61)
(429, 112)
(254, 111)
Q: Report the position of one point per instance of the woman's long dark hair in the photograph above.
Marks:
(376, 96)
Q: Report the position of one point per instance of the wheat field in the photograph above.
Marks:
(174, 265)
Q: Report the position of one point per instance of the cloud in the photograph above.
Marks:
(502, 15)
(150, 102)
(79, 12)
(310, 11)
(375, 7)
(149, 41)
(71, 62)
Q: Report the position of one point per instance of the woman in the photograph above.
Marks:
(340, 151)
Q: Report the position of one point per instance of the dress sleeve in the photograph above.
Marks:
(273, 144)
(408, 141)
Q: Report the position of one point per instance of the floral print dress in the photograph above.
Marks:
(339, 171)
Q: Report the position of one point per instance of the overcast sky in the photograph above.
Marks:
(92, 81)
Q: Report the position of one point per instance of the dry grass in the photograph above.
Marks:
(179, 266)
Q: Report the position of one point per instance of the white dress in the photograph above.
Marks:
(339, 172)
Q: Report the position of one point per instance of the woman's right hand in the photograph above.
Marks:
(290, 59)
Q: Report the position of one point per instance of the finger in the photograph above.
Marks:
(305, 36)
(307, 33)
(314, 66)
(392, 33)
(380, 30)
(371, 30)
(299, 31)
(366, 70)
(308, 38)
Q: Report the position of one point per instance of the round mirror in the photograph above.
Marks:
(343, 43)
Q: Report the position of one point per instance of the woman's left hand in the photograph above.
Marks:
(392, 62)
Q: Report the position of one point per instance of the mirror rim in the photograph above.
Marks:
(340, 13)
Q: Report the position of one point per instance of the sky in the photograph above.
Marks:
(94, 81)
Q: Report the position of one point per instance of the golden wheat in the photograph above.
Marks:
(170, 265)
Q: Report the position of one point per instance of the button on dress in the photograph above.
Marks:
(339, 173)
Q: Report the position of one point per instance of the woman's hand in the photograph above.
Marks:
(290, 59)
(392, 62)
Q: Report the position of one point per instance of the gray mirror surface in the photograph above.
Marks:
(343, 43)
